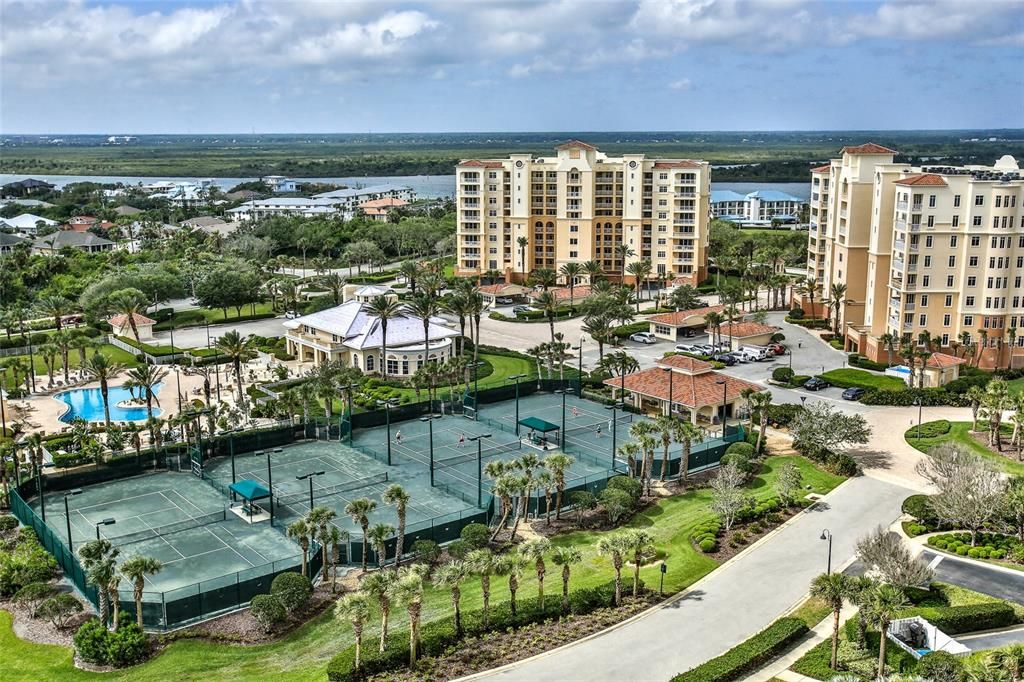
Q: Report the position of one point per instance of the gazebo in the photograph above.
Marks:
(250, 491)
(538, 425)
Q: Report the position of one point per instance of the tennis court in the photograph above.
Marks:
(170, 516)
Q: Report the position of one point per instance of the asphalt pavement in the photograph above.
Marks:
(1000, 583)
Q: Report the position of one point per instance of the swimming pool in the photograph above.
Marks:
(87, 404)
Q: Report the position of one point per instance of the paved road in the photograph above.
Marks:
(1006, 584)
(992, 640)
(731, 604)
(195, 337)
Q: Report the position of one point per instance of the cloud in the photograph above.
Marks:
(681, 84)
(979, 22)
(745, 24)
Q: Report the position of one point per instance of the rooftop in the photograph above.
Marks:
(70, 238)
(869, 148)
(742, 330)
(351, 193)
(680, 317)
(943, 360)
(359, 329)
(925, 179)
(121, 320)
(691, 390)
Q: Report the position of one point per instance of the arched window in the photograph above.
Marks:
(550, 225)
(538, 224)
(369, 363)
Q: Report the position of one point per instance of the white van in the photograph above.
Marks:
(756, 352)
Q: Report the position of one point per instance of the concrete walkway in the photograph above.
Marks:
(728, 606)
(819, 633)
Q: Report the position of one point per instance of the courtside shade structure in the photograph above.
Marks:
(538, 424)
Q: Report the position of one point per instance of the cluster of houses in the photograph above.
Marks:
(375, 201)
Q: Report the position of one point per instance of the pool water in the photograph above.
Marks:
(87, 404)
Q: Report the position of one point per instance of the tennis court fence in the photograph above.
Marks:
(348, 486)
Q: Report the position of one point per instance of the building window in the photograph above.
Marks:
(931, 221)
(927, 261)
(976, 221)
(969, 301)
(369, 363)
(968, 320)
(956, 221)
(956, 200)
(972, 261)
(975, 241)
(949, 280)
(926, 280)
(924, 300)
(949, 300)
(952, 261)
(972, 281)
(979, 200)
(952, 241)
(945, 340)
(946, 320)
(393, 367)
(928, 242)
(931, 201)
(922, 320)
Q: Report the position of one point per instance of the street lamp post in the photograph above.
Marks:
(309, 477)
(827, 535)
(104, 522)
(430, 429)
(479, 467)
(67, 515)
(177, 372)
(920, 406)
(561, 434)
(516, 378)
(725, 403)
(579, 357)
(387, 405)
(615, 422)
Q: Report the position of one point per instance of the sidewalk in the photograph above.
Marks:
(779, 667)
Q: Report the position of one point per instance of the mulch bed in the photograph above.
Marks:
(41, 630)
(496, 649)
(1008, 451)
(749, 533)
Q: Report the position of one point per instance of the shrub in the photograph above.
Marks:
(857, 360)
(126, 645)
(708, 545)
(744, 464)
(842, 464)
(32, 595)
(954, 620)
(617, 503)
(783, 374)
(27, 562)
(783, 413)
(742, 449)
(59, 609)
(626, 330)
(267, 610)
(964, 384)
(933, 429)
(797, 313)
(459, 549)
(748, 656)
(630, 486)
(91, 641)
(292, 590)
(917, 506)
(475, 535)
(939, 666)
(7, 523)
(426, 550)
(930, 397)
(799, 380)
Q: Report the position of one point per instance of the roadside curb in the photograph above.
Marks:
(679, 596)
(923, 544)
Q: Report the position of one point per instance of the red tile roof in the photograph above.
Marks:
(685, 363)
(480, 164)
(822, 169)
(869, 148)
(562, 293)
(575, 143)
(742, 330)
(500, 287)
(692, 390)
(928, 179)
(382, 203)
(121, 320)
(685, 163)
(678, 318)
(942, 361)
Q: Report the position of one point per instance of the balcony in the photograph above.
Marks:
(686, 195)
(897, 265)
(683, 221)
(908, 306)
(915, 227)
(901, 206)
(916, 207)
(899, 246)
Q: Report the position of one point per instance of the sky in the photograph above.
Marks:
(264, 66)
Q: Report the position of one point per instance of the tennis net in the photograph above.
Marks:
(160, 531)
(592, 424)
(486, 453)
(289, 498)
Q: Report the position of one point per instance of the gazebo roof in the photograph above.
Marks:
(538, 424)
(250, 489)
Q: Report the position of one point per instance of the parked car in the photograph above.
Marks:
(816, 384)
(643, 337)
(706, 348)
(726, 359)
(291, 315)
(738, 356)
(853, 393)
(777, 348)
(688, 333)
(688, 348)
(504, 301)
(521, 309)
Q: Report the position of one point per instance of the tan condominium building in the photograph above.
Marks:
(524, 213)
(936, 249)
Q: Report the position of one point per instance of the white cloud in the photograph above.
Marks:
(746, 24)
(681, 84)
(978, 21)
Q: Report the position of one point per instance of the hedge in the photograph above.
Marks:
(749, 655)
(954, 620)
(627, 330)
(810, 323)
(438, 636)
(373, 279)
(861, 362)
(930, 397)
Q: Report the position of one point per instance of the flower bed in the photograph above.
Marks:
(987, 546)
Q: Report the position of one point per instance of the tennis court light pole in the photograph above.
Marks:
(516, 378)
(67, 515)
(561, 434)
(309, 477)
(104, 522)
(479, 466)
(348, 390)
(430, 429)
(387, 405)
(579, 357)
(615, 422)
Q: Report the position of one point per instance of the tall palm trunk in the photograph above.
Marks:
(400, 540)
(383, 347)
(565, 587)
(104, 392)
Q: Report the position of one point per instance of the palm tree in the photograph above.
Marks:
(411, 271)
(640, 270)
(809, 287)
(534, 550)
(355, 608)
(451, 575)
(135, 569)
(975, 397)
(545, 481)
(484, 563)
(424, 306)
(558, 464)
(146, 378)
(377, 536)
(833, 589)
(622, 253)
(545, 278)
(571, 271)
(460, 306)
(380, 585)
(666, 425)
(638, 543)
(889, 341)
(385, 309)
(566, 557)
(1009, 659)
(99, 559)
(54, 306)
(359, 511)
(548, 304)
(686, 433)
(512, 565)
(884, 604)
(713, 321)
(614, 547)
(300, 532)
(101, 368)
(396, 496)
(81, 344)
(600, 328)
(522, 243)
(318, 520)
(237, 348)
(409, 591)
(49, 352)
(130, 303)
(760, 403)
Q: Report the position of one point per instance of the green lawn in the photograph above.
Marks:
(959, 432)
(845, 378)
(303, 655)
(112, 352)
(1015, 386)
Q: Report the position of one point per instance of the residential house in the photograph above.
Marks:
(25, 187)
(8, 242)
(279, 184)
(69, 239)
(27, 223)
(122, 327)
(378, 209)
